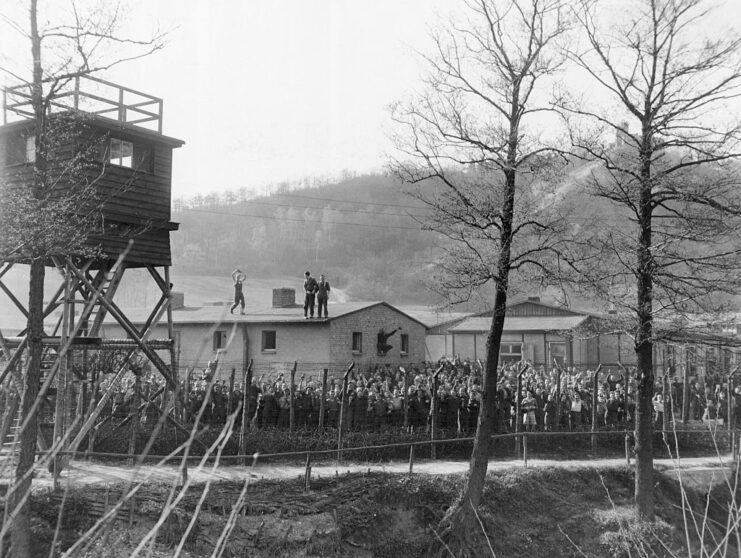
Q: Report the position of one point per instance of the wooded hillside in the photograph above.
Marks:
(363, 233)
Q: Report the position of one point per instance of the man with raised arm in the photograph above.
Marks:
(239, 278)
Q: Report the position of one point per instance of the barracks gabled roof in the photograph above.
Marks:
(517, 323)
(220, 314)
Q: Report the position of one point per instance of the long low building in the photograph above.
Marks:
(367, 333)
(544, 333)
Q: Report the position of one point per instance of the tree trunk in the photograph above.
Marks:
(644, 344)
(20, 537)
(460, 522)
(21, 528)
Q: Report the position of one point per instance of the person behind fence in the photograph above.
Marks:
(550, 420)
(310, 288)
(528, 411)
(658, 403)
(239, 278)
(611, 411)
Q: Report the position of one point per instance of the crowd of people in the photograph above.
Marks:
(383, 396)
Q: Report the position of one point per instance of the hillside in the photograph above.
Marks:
(360, 233)
(364, 233)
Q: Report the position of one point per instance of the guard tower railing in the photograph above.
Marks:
(91, 95)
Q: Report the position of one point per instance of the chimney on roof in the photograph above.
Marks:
(284, 298)
(177, 300)
(533, 299)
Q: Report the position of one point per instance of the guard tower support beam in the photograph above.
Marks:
(129, 328)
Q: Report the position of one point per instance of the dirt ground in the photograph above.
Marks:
(695, 470)
(551, 508)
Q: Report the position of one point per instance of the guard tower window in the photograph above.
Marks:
(137, 155)
(121, 153)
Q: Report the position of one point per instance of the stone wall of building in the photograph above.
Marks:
(368, 323)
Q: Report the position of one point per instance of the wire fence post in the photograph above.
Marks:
(246, 386)
(411, 458)
(731, 414)
(524, 448)
(595, 400)
(134, 414)
(627, 448)
(307, 475)
(406, 397)
(685, 390)
(343, 405)
(433, 412)
(518, 408)
(558, 393)
(667, 407)
(323, 401)
(292, 401)
(231, 390)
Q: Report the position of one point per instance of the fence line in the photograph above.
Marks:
(344, 450)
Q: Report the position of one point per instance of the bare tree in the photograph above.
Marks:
(668, 172)
(82, 44)
(472, 144)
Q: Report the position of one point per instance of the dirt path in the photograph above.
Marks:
(698, 470)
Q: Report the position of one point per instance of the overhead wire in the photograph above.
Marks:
(348, 201)
(340, 210)
(273, 218)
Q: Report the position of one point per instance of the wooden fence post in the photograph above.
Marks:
(731, 413)
(307, 474)
(433, 411)
(406, 398)
(518, 409)
(292, 419)
(595, 400)
(524, 448)
(667, 406)
(343, 404)
(231, 390)
(685, 389)
(246, 386)
(627, 448)
(411, 458)
(135, 415)
(558, 394)
(323, 401)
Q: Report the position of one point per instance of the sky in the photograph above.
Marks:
(263, 92)
(267, 91)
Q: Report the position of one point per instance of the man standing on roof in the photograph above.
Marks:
(322, 295)
(238, 277)
(310, 289)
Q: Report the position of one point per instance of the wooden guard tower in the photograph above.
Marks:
(128, 163)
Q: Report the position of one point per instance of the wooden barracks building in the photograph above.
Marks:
(543, 333)
(277, 336)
